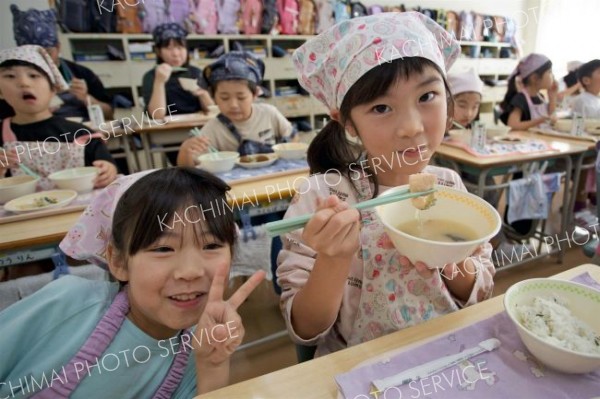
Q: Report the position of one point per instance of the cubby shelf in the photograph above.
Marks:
(91, 50)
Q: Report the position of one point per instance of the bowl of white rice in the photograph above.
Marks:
(558, 322)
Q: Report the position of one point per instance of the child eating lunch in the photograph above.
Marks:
(383, 78)
(242, 125)
(162, 329)
(43, 142)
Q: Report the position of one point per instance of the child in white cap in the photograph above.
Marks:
(467, 90)
(383, 78)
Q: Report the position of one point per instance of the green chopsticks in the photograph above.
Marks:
(286, 225)
(28, 171)
(197, 133)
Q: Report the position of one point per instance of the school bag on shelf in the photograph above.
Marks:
(306, 19)
(87, 16)
(203, 17)
(477, 27)
(158, 12)
(376, 9)
(499, 27)
(488, 34)
(269, 16)
(252, 12)
(466, 26)
(357, 9)
(228, 12)
(325, 15)
(453, 24)
(128, 19)
(341, 11)
(441, 17)
(288, 16)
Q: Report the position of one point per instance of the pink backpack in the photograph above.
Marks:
(288, 16)
(252, 16)
(325, 17)
(203, 16)
(228, 12)
(158, 12)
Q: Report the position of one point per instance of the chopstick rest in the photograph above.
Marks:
(435, 366)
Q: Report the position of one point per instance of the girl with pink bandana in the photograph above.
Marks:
(523, 105)
(383, 78)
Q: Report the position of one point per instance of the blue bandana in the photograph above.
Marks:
(34, 27)
(170, 30)
(235, 65)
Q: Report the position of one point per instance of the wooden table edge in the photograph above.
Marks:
(353, 356)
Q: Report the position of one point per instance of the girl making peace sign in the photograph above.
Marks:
(134, 338)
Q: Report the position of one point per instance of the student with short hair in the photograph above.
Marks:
(588, 103)
(243, 124)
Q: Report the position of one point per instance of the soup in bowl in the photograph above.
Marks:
(447, 232)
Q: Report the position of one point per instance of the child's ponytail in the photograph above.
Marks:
(510, 92)
(330, 149)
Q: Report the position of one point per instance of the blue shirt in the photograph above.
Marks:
(41, 333)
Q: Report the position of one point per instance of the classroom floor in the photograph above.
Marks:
(262, 317)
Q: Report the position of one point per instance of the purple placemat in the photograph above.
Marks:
(281, 165)
(506, 373)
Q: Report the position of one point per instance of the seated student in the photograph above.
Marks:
(44, 142)
(39, 28)
(467, 90)
(233, 81)
(161, 87)
(588, 102)
(161, 328)
(162, 91)
(343, 281)
(523, 105)
(569, 86)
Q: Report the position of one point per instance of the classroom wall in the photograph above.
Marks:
(6, 26)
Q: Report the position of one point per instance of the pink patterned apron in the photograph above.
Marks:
(51, 156)
(393, 297)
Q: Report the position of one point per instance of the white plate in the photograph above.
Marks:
(27, 203)
(254, 165)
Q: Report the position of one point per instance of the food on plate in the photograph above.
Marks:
(44, 201)
(551, 319)
(422, 182)
(254, 158)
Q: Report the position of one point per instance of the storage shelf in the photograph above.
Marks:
(279, 71)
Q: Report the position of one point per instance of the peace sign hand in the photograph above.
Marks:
(220, 330)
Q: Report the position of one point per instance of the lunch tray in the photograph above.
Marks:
(502, 149)
(281, 167)
(507, 372)
(78, 204)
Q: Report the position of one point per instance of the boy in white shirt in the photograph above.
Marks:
(243, 125)
(588, 102)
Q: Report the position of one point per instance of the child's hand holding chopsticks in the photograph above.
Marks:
(334, 228)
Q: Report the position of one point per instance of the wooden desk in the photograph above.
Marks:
(569, 150)
(315, 379)
(175, 131)
(52, 229)
(562, 147)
